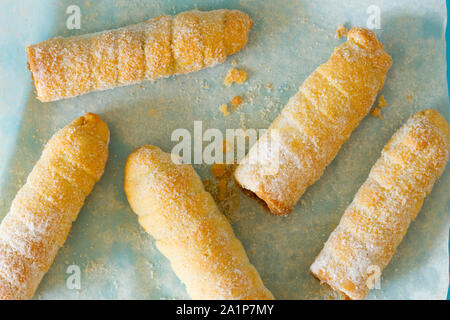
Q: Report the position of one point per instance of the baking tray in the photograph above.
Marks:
(117, 259)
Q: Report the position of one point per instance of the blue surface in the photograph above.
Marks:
(447, 38)
(106, 241)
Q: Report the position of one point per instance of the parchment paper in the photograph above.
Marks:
(289, 40)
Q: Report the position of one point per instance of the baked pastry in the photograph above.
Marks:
(375, 222)
(315, 123)
(173, 206)
(43, 210)
(159, 47)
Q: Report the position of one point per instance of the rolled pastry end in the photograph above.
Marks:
(437, 119)
(249, 180)
(367, 39)
(42, 91)
(346, 288)
(364, 38)
(94, 125)
(237, 28)
(267, 202)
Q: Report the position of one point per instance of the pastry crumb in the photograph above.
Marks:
(236, 101)
(234, 62)
(381, 102)
(224, 109)
(235, 75)
(153, 112)
(218, 170)
(341, 31)
(376, 112)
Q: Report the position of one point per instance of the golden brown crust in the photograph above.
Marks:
(375, 222)
(316, 122)
(173, 206)
(364, 38)
(43, 210)
(160, 47)
(237, 27)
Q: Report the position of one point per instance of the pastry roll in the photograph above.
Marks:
(375, 222)
(315, 123)
(43, 210)
(160, 47)
(173, 206)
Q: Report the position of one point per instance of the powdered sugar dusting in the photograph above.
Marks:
(160, 47)
(173, 206)
(43, 210)
(319, 119)
(376, 221)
